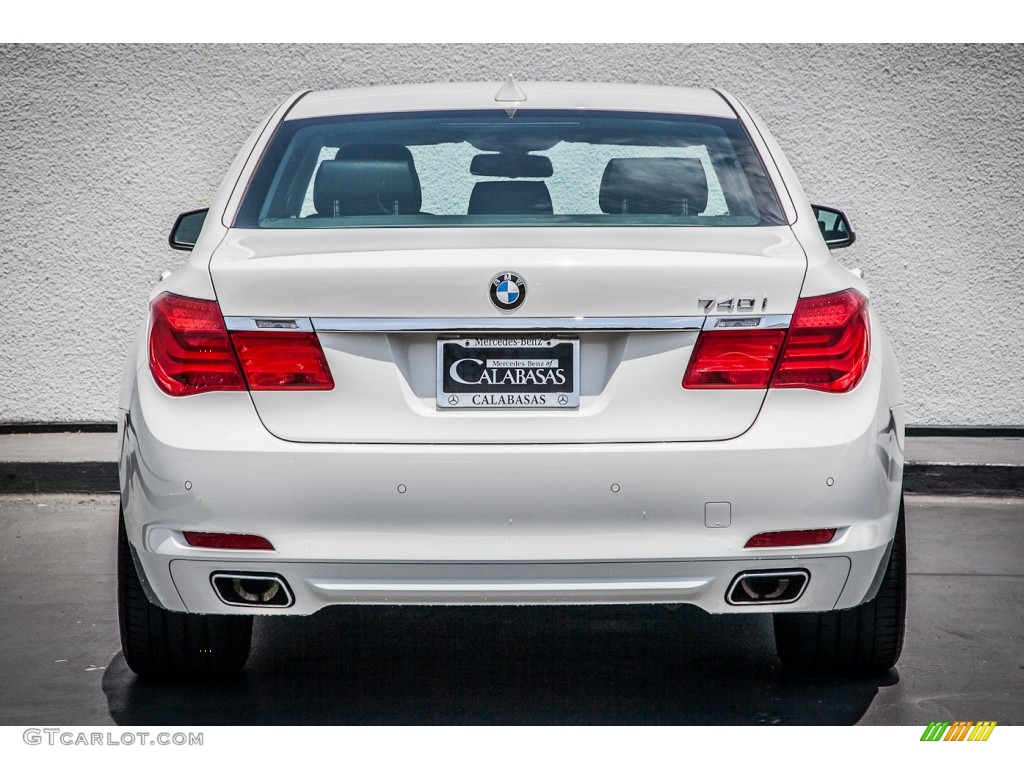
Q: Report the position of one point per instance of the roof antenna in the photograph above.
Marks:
(512, 94)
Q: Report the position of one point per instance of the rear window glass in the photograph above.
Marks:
(536, 168)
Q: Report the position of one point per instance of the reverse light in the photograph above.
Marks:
(226, 540)
(191, 351)
(792, 538)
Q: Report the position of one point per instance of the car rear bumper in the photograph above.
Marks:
(511, 524)
(315, 585)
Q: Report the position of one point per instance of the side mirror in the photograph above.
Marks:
(186, 229)
(834, 226)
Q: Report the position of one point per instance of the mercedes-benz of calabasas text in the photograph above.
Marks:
(511, 344)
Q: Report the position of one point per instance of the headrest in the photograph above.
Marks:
(673, 185)
(515, 197)
(367, 180)
(512, 166)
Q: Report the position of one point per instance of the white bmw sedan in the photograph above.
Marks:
(511, 344)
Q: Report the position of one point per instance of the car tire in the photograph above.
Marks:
(855, 642)
(158, 643)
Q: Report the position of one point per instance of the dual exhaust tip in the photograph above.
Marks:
(767, 587)
(252, 590)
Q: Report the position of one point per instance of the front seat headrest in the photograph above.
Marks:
(368, 180)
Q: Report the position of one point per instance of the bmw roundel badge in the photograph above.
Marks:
(508, 291)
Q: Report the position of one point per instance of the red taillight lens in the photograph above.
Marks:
(828, 343)
(189, 350)
(792, 538)
(226, 540)
(826, 348)
(282, 360)
(733, 359)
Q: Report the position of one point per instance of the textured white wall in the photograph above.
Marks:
(101, 146)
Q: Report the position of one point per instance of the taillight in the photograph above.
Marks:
(733, 359)
(826, 348)
(191, 351)
(282, 360)
(828, 343)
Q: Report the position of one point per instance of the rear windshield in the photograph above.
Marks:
(537, 168)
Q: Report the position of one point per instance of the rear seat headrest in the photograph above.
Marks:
(672, 185)
(368, 180)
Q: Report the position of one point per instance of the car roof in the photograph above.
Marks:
(539, 95)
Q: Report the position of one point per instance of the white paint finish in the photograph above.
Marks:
(586, 272)
(338, 500)
(384, 385)
(703, 584)
(336, 506)
(539, 95)
(921, 145)
(717, 514)
(103, 447)
(385, 392)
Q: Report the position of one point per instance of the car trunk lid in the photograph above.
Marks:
(630, 301)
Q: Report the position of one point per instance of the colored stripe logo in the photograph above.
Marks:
(961, 730)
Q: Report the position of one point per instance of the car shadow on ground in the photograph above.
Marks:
(500, 665)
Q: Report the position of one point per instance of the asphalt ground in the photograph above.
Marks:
(61, 664)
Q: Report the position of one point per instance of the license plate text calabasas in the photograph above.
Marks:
(508, 372)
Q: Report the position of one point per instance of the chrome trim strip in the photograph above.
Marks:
(589, 585)
(268, 324)
(503, 324)
(746, 322)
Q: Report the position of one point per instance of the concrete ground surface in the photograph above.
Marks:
(60, 660)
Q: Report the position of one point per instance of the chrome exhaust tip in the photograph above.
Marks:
(767, 587)
(252, 590)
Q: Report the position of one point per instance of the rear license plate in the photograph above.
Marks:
(508, 372)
